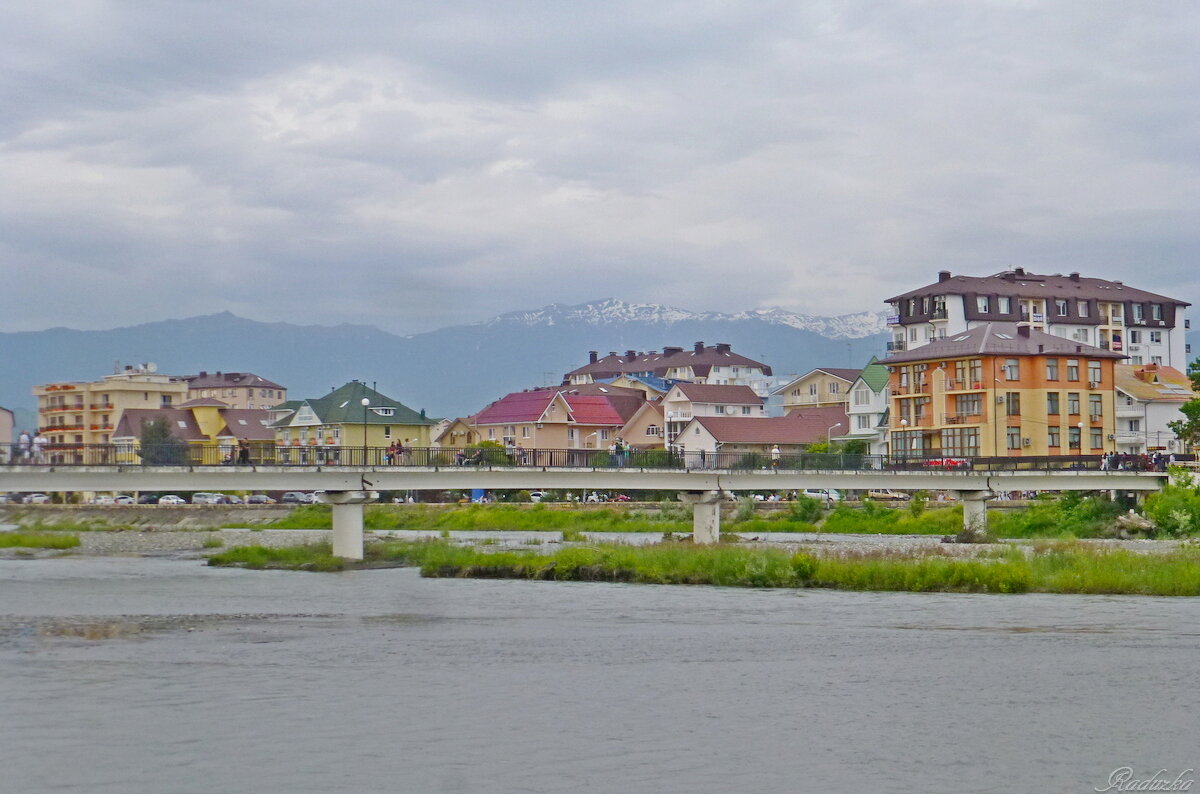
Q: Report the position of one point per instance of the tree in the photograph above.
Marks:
(159, 446)
(1187, 429)
(1193, 372)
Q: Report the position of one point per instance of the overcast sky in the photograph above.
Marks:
(418, 164)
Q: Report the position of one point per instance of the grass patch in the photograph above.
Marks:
(873, 519)
(37, 540)
(213, 543)
(1072, 515)
(79, 526)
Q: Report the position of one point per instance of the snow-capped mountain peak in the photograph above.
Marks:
(611, 311)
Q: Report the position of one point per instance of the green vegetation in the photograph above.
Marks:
(87, 525)
(1046, 568)
(213, 543)
(158, 445)
(1072, 515)
(33, 540)
(875, 519)
(1175, 510)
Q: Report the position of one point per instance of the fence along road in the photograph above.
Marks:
(703, 482)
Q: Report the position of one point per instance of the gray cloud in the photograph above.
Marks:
(412, 164)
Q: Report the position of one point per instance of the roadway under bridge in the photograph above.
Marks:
(348, 488)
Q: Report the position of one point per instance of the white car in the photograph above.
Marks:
(36, 499)
(171, 499)
(537, 496)
(123, 499)
(202, 498)
(827, 495)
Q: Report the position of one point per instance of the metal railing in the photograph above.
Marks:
(183, 455)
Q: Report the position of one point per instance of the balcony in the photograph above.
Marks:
(893, 319)
(939, 314)
(60, 408)
(961, 419)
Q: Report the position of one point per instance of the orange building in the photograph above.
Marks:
(1002, 390)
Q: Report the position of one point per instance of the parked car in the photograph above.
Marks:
(171, 499)
(123, 499)
(102, 499)
(826, 495)
(537, 496)
(621, 498)
(296, 497)
(36, 499)
(259, 499)
(147, 499)
(204, 498)
(884, 495)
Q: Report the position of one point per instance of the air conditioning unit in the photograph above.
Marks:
(1027, 441)
(1094, 417)
(1093, 384)
(1000, 399)
(540, 425)
(1111, 437)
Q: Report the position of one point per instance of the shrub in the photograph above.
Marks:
(806, 509)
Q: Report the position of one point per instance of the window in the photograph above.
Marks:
(834, 387)
(1135, 425)
(653, 430)
(1052, 403)
(1053, 437)
(166, 399)
(1095, 405)
(570, 433)
(812, 389)
(1083, 308)
(982, 303)
(960, 441)
(1012, 369)
(922, 405)
(1156, 312)
(912, 306)
(1135, 336)
(970, 404)
(1156, 359)
(975, 372)
(1052, 369)
(1096, 438)
(1060, 307)
(1072, 369)
(745, 410)
(1073, 402)
(492, 433)
(524, 431)
(1012, 403)
(925, 305)
(1156, 337)
(387, 431)
(720, 409)
(1094, 371)
(1004, 305)
(862, 422)
(604, 435)
(1014, 438)
(1074, 437)
(1139, 313)
(905, 411)
(862, 396)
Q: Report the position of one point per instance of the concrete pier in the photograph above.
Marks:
(347, 520)
(975, 521)
(706, 514)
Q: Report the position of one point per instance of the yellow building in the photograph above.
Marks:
(76, 412)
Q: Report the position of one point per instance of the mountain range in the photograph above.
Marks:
(451, 371)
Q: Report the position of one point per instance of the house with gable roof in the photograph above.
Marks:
(818, 387)
(587, 416)
(688, 400)
(339, 420)
(1148, 398)
(867, 409)
(794, 433)
(714, 365)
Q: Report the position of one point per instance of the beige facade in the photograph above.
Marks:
(235, 389)
(816, 389)
(77, 412)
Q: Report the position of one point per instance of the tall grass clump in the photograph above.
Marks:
(1175, 510)
(35, 540)
(309, 557)
(873, 518)
(1071, 515)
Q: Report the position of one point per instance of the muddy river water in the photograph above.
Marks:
(163, 675)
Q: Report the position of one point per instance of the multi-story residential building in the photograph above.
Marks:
(715, 365)
(80, 412)
(1147, 327)
(794, 433)
(340, 420)
(235, 389)
(867, 411)
(589, 416)
(7, 434)
(1005, 390)
(688, 400)
(1148, 398)
(819, 387)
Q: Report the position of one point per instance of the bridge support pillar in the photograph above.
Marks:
(706, 515)
(975, 520)
(347, 520)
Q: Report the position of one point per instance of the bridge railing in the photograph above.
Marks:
(183, 454)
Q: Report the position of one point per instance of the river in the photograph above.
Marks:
(163, 675)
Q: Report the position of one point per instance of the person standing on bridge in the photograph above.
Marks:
(39, 448)
(775, 456)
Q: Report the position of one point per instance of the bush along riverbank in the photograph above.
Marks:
(34, 540)
(1042, 568)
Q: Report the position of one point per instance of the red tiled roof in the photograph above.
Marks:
(519, 406)
(705, 393)
(804, 427)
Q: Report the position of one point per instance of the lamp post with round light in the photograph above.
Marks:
(365, 403)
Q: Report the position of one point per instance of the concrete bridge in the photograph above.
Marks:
(347, 488)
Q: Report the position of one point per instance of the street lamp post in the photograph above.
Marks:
(365, 403)
(829, 434)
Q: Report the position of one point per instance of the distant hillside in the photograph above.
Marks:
(450, 371)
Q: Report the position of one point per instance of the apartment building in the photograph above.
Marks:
(1002, 389)
(236, 389)
(1148, 398)
(1147, 327)
(87, 412)
(714, 365)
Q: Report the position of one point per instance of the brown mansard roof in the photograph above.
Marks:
(700, 358)
(1019, 283)
(1000, 339)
